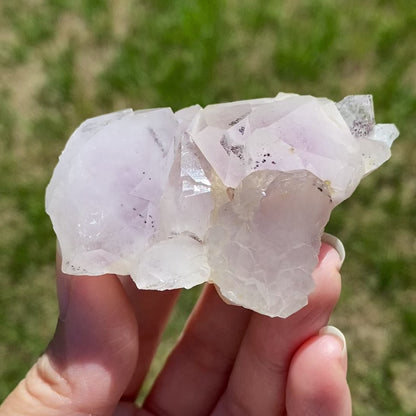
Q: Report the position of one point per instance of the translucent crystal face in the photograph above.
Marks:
(237, 194)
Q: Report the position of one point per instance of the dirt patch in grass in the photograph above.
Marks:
(24, 82)
(404, 383)
(369, 328)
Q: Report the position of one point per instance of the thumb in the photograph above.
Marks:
(91, 358)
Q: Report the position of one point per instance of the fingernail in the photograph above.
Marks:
(336, 243)
(332, 330)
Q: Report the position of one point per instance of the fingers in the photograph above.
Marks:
(317, 378)
(225, 353)
(198, 369)
(90, 360)
(152, 309)
(258, 381)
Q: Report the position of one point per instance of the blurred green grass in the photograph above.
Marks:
(63, 61)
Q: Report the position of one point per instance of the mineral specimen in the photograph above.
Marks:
(236, 194)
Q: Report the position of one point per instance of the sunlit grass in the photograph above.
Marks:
(63, 61)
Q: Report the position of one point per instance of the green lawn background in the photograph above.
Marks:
(62, 61)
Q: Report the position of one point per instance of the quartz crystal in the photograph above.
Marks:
(235, 194)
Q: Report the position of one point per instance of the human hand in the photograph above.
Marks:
(228, 361)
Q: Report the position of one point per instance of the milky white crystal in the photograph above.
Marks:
(237, 194)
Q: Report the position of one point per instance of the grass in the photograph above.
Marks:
(63, 61)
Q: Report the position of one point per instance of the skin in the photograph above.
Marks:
(228, 361)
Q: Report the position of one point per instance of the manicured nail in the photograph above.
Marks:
(336, 243)
(331, 330)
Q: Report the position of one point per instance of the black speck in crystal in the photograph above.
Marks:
(361, 128)
(237, 120)
(238, 151)
(224, 144)
(157, 141)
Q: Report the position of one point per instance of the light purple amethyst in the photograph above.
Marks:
(236, 194)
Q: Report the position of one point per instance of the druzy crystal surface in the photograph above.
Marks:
(236, 194)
